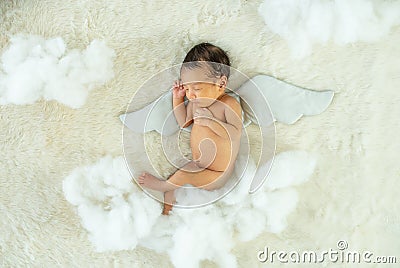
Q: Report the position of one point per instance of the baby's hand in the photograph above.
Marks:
(178, 91)
(202, 116)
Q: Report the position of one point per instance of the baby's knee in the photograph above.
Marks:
(178, 178)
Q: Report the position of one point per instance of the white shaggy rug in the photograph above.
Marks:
(351, 196)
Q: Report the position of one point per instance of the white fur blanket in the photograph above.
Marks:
(352, 194)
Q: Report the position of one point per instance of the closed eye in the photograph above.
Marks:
(196, 89)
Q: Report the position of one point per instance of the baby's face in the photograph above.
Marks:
(200, 89)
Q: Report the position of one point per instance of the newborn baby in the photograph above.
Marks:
(216, 119)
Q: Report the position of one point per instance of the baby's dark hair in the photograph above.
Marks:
(208, 53)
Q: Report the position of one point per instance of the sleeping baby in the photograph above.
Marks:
(216, 119)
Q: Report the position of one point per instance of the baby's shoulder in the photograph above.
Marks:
(226, 98)
(229, 101)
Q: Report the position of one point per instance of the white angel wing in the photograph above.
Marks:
(288, 103)
(157, 116)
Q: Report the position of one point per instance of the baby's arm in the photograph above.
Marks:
(183, 114)
(233, 125)
(189, 114)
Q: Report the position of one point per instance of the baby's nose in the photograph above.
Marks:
(192, 96)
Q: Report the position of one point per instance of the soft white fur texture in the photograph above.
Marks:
(352, 195)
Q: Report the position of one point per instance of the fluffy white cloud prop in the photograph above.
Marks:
(34, 68)
(303, 23)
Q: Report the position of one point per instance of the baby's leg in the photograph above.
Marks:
(202, 178)
(206, 179)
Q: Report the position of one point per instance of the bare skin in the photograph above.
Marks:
(214, 139)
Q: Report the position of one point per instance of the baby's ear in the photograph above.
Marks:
(223, 81)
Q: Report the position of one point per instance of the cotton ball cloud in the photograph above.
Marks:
(34, 68)
(118, 215)
(202, 234)
(114, 211)
(303, 23)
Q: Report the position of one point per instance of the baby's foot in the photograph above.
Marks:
(169, 200)
(166, 209)
(149, 181)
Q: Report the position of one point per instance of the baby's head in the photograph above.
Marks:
(204, 73)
